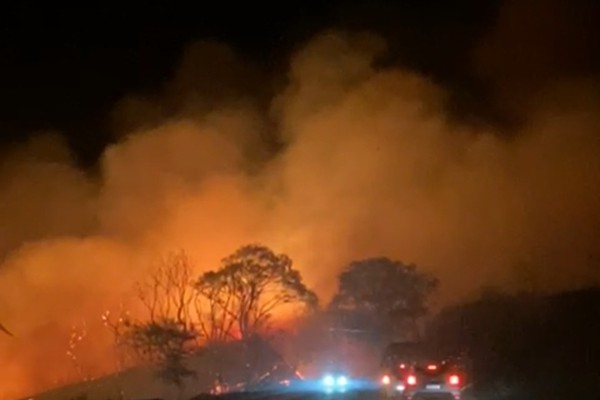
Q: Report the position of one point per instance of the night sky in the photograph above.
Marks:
(64, 68)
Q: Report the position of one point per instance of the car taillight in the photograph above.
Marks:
(402, 366)
(432, 367)
(385, 380)
(411, 380)
(454, 380)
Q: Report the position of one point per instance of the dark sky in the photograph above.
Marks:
(64, 68)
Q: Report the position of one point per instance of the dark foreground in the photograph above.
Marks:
(294, 395)
(317, 395)
(375, 395)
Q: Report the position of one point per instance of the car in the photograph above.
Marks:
(412, 370)
(335, 379)
(397, 357)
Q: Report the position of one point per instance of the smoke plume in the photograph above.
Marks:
(370, 163)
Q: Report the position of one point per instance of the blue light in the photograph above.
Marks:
(328, 380)
(342, 380)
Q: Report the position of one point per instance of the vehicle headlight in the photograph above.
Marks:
(342, 380)
(328, 380)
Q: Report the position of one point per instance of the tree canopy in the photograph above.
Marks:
(250, 285)
(382, 294)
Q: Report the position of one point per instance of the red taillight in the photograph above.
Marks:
(454, 380)
(432, 367)
(411, 380)
(402, 366)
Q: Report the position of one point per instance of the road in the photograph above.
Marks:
(294, 395)
(303, 395)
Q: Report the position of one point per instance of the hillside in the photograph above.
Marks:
(237, 362)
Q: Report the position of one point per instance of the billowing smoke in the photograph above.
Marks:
(369, 163)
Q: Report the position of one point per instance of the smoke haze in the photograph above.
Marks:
(369, 163)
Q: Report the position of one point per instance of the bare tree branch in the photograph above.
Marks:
(6, 331)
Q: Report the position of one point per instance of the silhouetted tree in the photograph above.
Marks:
(168, 334)
(251, 284)
(166, 343)
(528, 346)
(383, 295)
(168, 291)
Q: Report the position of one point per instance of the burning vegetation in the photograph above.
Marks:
(350, 159)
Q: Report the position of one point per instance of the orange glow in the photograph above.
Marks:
(370, 165)
(385, 380)
(411, 380)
